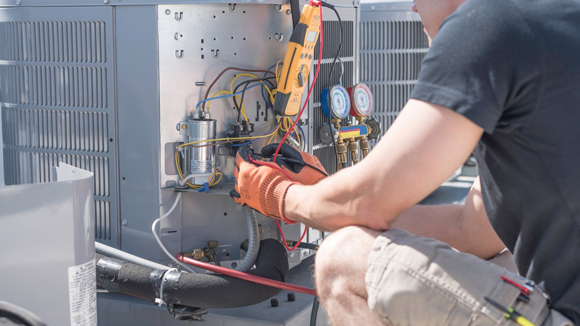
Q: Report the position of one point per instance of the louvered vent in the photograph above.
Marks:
(36, 167)
(54, 85)
(331, 30)
(393, 45)
(56, 129)
(50, 41)
(55, 100)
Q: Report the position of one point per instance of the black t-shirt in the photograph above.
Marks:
(513, 68)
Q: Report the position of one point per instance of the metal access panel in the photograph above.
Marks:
(392, 47)
(57, 100)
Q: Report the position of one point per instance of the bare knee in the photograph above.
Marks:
(341, 261)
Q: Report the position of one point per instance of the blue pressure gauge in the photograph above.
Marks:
(335, 100)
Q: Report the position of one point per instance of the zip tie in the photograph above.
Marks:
(159, 301)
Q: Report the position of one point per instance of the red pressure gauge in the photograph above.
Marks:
(362, 100)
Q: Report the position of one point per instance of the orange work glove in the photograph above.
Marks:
(301, 166)
(263, 188)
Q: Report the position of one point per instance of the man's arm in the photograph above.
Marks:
(464, 227)
(424, 146)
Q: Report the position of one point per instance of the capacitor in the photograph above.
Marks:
(335, 100)
(203, 155)
(363, 102)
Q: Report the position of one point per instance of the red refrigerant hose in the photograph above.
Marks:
(244, 276)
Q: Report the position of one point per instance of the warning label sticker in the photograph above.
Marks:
(82, 287)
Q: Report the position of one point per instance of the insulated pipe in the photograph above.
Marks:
(254, 240)
(196, 290)
(119, 254)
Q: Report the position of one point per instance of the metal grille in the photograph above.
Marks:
(322, 81)
(53, 41)
(331, 31)
(56, 129)
(327, 158)
(392, 35)
(102, 219)
(393, 45)
(54, 85)
(36, 167)
(55, 93)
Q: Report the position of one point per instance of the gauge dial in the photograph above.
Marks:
(362, 100)
(339, 102)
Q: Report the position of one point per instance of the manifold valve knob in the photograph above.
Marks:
(375, 128)
(325, 134)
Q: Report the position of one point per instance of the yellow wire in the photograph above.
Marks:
(216, 94)
(211, 140)
(253, 76)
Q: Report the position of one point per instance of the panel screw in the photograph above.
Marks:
(124, 222)
(18, 2)
(288, 12)
(274, 302)
(106, 1)
(167, 12)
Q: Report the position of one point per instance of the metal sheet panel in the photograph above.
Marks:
(57, 101)
(54, 223)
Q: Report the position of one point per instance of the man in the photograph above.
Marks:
(502, 79)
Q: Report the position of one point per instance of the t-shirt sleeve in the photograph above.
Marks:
(484, 63)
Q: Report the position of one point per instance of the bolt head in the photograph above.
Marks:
(167, 11)
(124, 222)
(288, 12)
(105, 1)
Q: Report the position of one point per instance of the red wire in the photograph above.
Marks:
(311, 87)
(284, 238)
(244, 276)
(288, 133)
(274, 166)
(292, 128)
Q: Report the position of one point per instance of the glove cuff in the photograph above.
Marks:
(280, 195)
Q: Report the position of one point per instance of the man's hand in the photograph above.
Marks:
(301, 166)
(261, 187)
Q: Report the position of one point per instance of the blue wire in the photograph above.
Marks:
(246, 143)
(263, 96)
(302, 132)
(225, 96)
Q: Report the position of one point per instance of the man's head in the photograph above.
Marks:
(433, 12)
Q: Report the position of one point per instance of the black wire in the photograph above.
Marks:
(330, 76)
(339, 44)
(246, 84)
(314, 313)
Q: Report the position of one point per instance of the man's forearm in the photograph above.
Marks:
(464, 227)
(422, 148)
(333, 203)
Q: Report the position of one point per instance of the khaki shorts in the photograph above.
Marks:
(419, 281)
